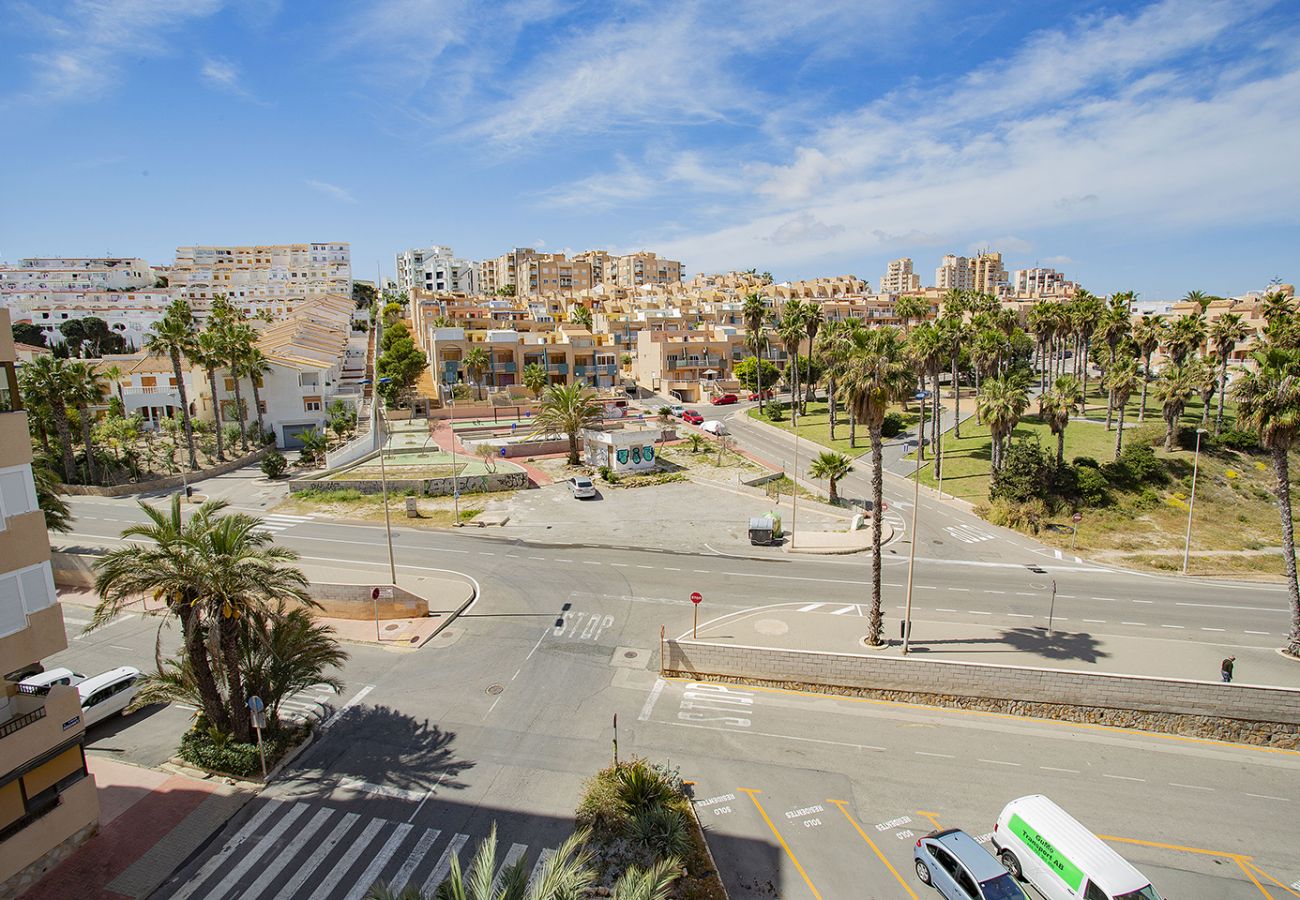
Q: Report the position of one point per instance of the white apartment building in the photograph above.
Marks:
(128, 312)
(899, 278)
(271, 278)
(984, 273)
(1040, 282)
(436, 268)
(60, 273)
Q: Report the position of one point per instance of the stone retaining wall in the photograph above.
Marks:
(427, 487)
(1165, 704)
(166, 483)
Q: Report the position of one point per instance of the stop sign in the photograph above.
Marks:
(696, 597)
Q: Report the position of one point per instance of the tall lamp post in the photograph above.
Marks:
(1191, 503)
(916, 508)
(383, 477)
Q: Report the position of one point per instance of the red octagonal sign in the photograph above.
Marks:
(697, 597)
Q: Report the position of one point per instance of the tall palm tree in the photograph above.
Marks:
(953, 333)
(833, 346)
(1041, 321)
(790, 331)
(173, 336)
(58, 517)
(113, 374)
(813, 320)
(910, 310)
(754, 314)
(476, 363)
(985, 352)
(45, 385)
(876, 374)
(238, 339)
(1148, 334)
(1198, 297)
(210, 353)
(1205, 381)
(1085, 310)
(254, 365)
(85, 388)
(567, 409)
(1172, 390)
(1115, 326)
(1057, 405)
(833, 467)
(1278, 309)
(1227, 332)
(1185, 336)
(1268, 403)
(1121, 381)
(1003, 399)
(928, 347)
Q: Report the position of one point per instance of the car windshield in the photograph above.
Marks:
(1146, 893)
(1003, 887)
(582, 482)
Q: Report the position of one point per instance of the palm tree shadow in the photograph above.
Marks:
(1076, 645)
(381, 745)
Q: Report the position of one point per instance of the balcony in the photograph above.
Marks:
(35, 722)
(506, 367)
(695, 362)
(558, 368)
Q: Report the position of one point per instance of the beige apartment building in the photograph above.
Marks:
(268, 278)
(551, 273)
(568, 353)
(645, 268)
(602, 265)
(688, 364)
(48, 803)
(494, 274)
(984, 273)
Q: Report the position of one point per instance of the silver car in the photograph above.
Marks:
(956, 866)
(581, 486)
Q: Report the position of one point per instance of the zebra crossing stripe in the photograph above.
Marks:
(513, 855)
(313, 862)
(439, 873)
(845, 610)
(539, 865)
(282, 858)
(219, 859)
(427, 840)
(349, 859)
(377, 864)
(255, 852)
(810, 607)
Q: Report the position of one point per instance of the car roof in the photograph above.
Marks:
(1112, 872)
(90, 685)
(49, 677)
(980, 862)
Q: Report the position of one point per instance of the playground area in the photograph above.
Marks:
(411, 453)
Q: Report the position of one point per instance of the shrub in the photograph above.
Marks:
(775, 412)
(274, 464)
(1086, 462)
(892, 425)
(1150, 435)
(1245, 441)
(211, 749)
(1027, 516)
(1091, 486)
(607, 475)
(1025, 475)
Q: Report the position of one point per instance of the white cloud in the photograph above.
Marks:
(333, 191)
(804, 228)
(84, 45)
(1008, 244)
(224, 75)
(1058, 261)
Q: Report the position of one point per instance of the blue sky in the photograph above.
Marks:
(1144, 146)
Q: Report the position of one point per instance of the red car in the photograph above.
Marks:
(724, 400)
(692, 416)
(764, 394)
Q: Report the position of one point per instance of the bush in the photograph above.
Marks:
(1137, 465)
(1025, 475)
(1091, 486)
(210, 749)
(1027, 516)
(274, 464)
(1151, 435)
(607, 474)
(1245, 441)
(1081, 462)
(892, 425)
(774, 411)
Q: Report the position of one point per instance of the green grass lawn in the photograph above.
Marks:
(815, 426)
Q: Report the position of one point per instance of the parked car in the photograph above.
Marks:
(107, 694)
(677, 411)
(714, 426)
(52, 677)
(1043, 844)
(956, 866)
(764, 394)
(692, 417)
(724, 399)
(581, 486)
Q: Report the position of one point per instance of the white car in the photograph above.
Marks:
(52, 677)
(107, 694)
(581, 486)
(714, 426)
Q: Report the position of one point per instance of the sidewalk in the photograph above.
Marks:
(150, 822)
(795, 626)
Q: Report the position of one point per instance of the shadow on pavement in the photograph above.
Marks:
(1077, 645)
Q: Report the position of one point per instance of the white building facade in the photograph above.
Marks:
(271, 278)
(899, 277)
(436, 268)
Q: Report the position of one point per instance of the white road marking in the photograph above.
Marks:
(945, 610)
(219, 859)
(1025, 594)
(1230, 606)
(1265, 633)
(979, 612)
(619, 565)
(1112, 599)
(1020, 615)
(588, 562)
(1123, 777)
(846, 609)
(999, 762)
(1096, 621)
(1162, 625)
(788, 737)
(356, 698)
(439, 873)
(1056, 769)
(1211, 629)
(995, 592)
(1144, 601)
(645, 567)
(963, 590)
(377, 864)
(273, 867)
(422, 847)
(1190, 787)
(1135, 623)
(250, 857)
(539, 865)
(651, 700)
(940, 755)
(355, 849)
(810, 607)
(379, 790)
(542, 558)
(1270, 797)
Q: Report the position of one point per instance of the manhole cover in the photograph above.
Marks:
(630, 654)
(392, 627)
(495, 689)
(1038, 585)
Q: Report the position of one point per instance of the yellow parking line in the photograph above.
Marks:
(1201, 850)
(753, 795)
(980, 712)
(1253, 879)
(1272, 879)
(872, 844)
(933, 817)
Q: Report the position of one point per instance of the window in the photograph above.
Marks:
(230, 384)
(17, 492)
(311, 404)
(1094, 893)
(944, 859)
(967, 884)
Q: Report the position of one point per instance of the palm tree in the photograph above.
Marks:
(85, 388)
(1205, 381)
(238, 339)
(210, 353)
(813, 320)
(1278, 309)
(1115, 325)
(580, 315)
(833, 346)
(173, 337)
(831, 466)
(1185, 336)
(754, 313)
(1121, 381)
(57, 515)
(790, 331)
(1173, 388)
(928, 347)
(1227, 332)
(1148, 334)
(113, 374)
(1268, 403)
(45, 384)
(1042, 322)
(911, 310)
(476, 363)
(1197, 297)
(876, 375)
(535, 379)
(985, 353)
(254, 365)
(953, 333)
(1085, 310)
(567, 409)
(1057, 405)
(1003, 399)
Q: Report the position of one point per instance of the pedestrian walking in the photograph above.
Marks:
(1225, 669)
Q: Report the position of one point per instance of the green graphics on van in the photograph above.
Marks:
(1043, 849)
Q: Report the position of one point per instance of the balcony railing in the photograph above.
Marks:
(8, 728)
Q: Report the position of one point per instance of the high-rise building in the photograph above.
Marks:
(984, 273)
(436, 268)
(899, 278)
(1039, 282)
(645, 268)
(259, 278)
(988, 273)
(552, 273)
(602, 265)
(47, 801)
(495, 274)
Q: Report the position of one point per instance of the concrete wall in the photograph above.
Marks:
(428, 487)
(167, 483)
(352, 601)
(1125, 692)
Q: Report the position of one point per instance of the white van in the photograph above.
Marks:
(1044, 845)
(52, 677)
(107, 694)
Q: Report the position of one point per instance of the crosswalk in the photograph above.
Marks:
(311, 704)
(968, 534)
(286, 850)
(275, 522)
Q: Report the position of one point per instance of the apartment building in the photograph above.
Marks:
(495, 274)
(270, 278)
(147, 385)
(645, 268)
(551, 273)
(1041, 282)
(48, 803)
(567, 353)
(984, 273)
(602, 265)
(66, 273)
(130, 313)
(436, 268)
(899, 277)
(687, 363)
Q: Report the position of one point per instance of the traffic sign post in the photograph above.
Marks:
(257, 709)
(696, 599)
(1077, 517)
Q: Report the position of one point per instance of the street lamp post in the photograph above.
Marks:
(383, 477)
(1191, 503)
(916, 508)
